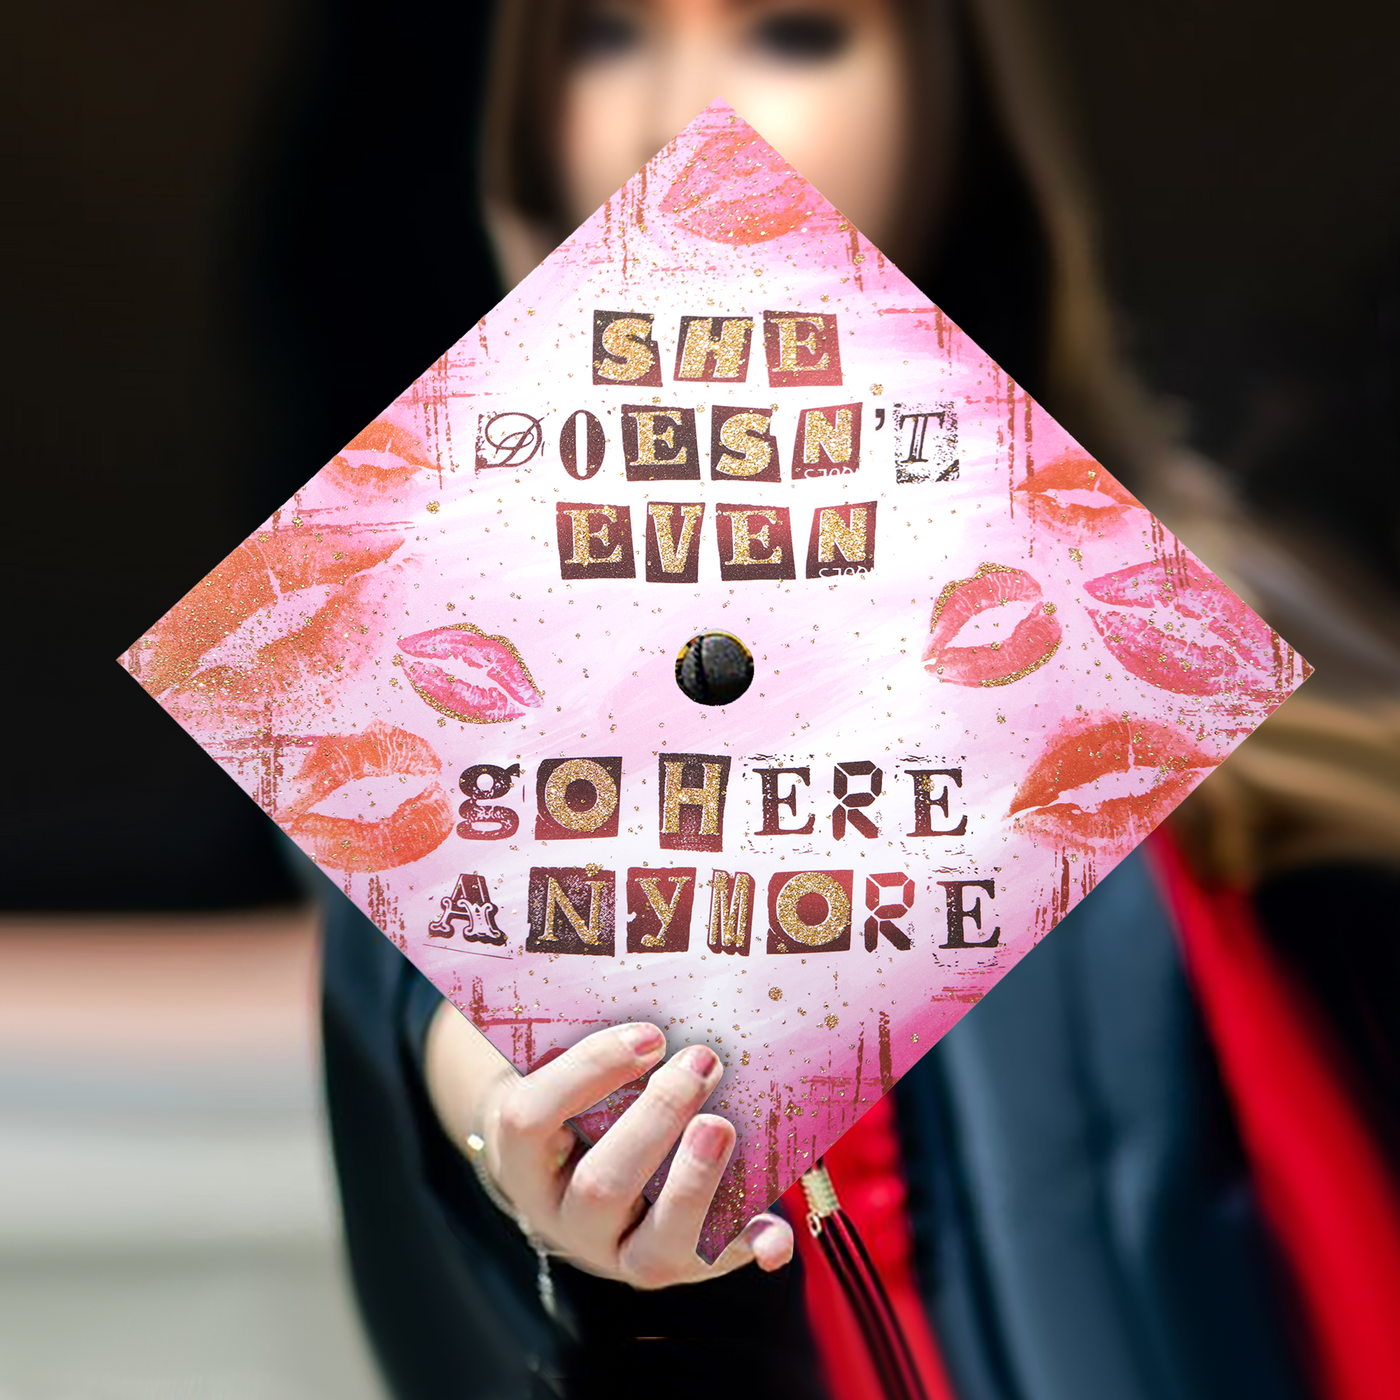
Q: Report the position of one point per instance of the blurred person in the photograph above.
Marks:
(1126, 1176)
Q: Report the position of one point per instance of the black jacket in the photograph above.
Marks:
(1083, 1219)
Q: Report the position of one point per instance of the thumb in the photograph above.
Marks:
(766, 1241)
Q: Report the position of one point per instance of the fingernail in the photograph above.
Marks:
(708, 1143)
(643, 1040)
(700, 1060)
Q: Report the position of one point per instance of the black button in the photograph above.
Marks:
(714, 668)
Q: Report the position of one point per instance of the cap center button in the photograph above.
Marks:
(714, 668)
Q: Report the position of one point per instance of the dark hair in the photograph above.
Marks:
(1011, 263)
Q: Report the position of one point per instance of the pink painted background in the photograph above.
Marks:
(1137, 670)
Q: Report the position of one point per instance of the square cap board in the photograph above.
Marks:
(982, 671)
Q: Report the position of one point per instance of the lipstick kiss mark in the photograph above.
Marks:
(1161, 763)
(1073, 496)
(1190, 634)
(737, 189)
(1031, 643)
(510, 691)
(280, 622)
(382, 459)
(418, 826)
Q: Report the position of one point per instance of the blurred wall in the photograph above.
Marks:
(1245, 156)
(163, 399)
(132, 132)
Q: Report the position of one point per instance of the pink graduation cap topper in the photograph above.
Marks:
(981, 670)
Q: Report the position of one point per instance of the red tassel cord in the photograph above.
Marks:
(863, 1304)
(1322, 1182)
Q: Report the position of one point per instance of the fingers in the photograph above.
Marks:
(583, 1075)
(588, 1203)
(661, 1250)
(667, 1236)
(602, 1196)
(530, 1143)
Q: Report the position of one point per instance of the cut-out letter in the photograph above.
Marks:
(572, 910)
(772, 817)
(926, 442)
(623, 349)
(802, 348)
(755, 542)
(731, 912)
(741, 447)
(848, 804)
(959, 913)
(577, 798)
(925, 801)
(594, 541)
(658, 444)
(673, 541)
(828, 441)
(714, 349)
(810, 912)
(888, 897)
(658, 909)
(692, 792)
(588, 434)
(843, 541)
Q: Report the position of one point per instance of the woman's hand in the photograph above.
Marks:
(586, 1204)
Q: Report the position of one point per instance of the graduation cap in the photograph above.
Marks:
(716, 636)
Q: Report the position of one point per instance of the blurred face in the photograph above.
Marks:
(824, 81)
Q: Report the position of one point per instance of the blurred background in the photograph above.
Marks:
(213, 282)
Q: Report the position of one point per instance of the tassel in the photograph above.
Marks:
(845, 1252)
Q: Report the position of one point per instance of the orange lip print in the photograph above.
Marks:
(1075, 497)
(215, 675)
(418, 826)
(378, 461)
(1108, 751)
(736, 192)
(1030, 644)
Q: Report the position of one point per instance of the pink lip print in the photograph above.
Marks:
(511, 690)
(1206, 643)
(1029, 645)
